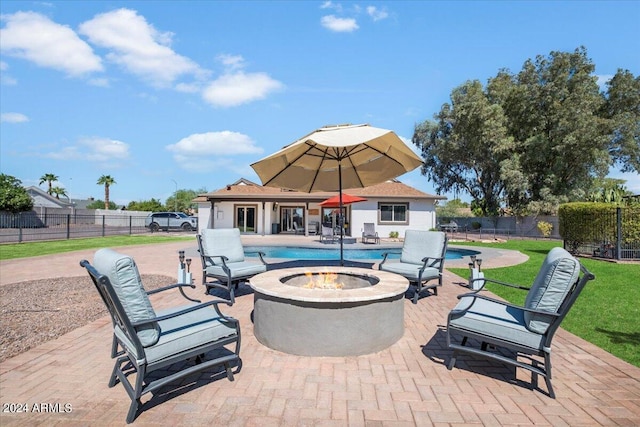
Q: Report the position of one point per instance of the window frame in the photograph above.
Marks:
(392, 222)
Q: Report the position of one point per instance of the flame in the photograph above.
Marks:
(328, 280)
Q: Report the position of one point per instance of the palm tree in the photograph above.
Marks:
(59, 191)
(107, 181)
(48, 177)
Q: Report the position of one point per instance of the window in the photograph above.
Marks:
(393, 213)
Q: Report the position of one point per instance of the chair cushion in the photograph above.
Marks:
(557, 275)
(495, 320)
(182, 333)
(124, 277)
(238, 269)
(410, 271)
(419, 244)
(223, 241)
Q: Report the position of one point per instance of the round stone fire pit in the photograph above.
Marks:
(364, 315)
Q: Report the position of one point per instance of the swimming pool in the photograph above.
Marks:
(292, 252)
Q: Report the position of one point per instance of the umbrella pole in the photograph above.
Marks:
(340, 218)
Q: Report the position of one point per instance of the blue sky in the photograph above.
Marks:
(185, 94)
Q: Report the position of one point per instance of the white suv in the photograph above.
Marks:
(171, 220)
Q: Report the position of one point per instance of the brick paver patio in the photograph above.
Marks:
(406, 384)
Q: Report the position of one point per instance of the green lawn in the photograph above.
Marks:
(606, 312)
(24, 250)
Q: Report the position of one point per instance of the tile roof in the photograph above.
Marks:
(245, 189)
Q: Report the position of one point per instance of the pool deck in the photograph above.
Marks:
(406, 384)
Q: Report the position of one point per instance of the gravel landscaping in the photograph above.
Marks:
(38, 311)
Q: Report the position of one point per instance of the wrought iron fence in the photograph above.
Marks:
(613, 234)
(34, 226)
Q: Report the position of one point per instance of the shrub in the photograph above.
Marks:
(394, 234)
(545, 228)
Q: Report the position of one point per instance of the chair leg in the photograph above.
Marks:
(231, 291)
(227, 367)
(452, 361)
(113, 380)
(547, 377)
(133, 410)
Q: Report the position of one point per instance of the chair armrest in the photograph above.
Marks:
(435, 261)
(260, 255)
(180, 287)
(222, 257)
(188, 310)
(384, 259)
(506, 303)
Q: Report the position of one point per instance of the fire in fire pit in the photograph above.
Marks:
(329, 280)
(322, 281)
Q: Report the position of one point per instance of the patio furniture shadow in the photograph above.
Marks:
(436, 350)
(621, 337)
(188, 384)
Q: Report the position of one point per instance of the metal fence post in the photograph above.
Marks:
(68, 226)
(618, 233)
(130, 225)
(20, 227)
(103, 225)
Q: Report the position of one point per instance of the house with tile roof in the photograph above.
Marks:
(253, 208)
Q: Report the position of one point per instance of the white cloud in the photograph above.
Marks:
(340, 25)
(231, 62)
(64, 153)
(223, 143)
(104, 149)
(209, 151)
(239, 88)
(331, 5)
(138, 47)
(34, 37)
(376, 14)
(13, 118)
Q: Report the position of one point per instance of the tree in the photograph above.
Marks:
(99, 204)
(622, 109)
(13, 196)
(58, 191)
(464, 148)
(552, 115)
(453, 208)
(182, 200)
(107, 181)
(530, 141)
(49, 178)
(152, 205)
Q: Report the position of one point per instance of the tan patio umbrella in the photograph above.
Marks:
(336, 157)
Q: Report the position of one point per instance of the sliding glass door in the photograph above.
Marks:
(291, 215)
(245, 219)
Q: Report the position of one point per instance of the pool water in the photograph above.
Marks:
(291, 252)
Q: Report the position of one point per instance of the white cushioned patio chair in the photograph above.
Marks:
(512, 334)
(156, 345)
(421, 261)
(223, 259)
(328, 234)
(369, 233)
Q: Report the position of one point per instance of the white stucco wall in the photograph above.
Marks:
(421, 216)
